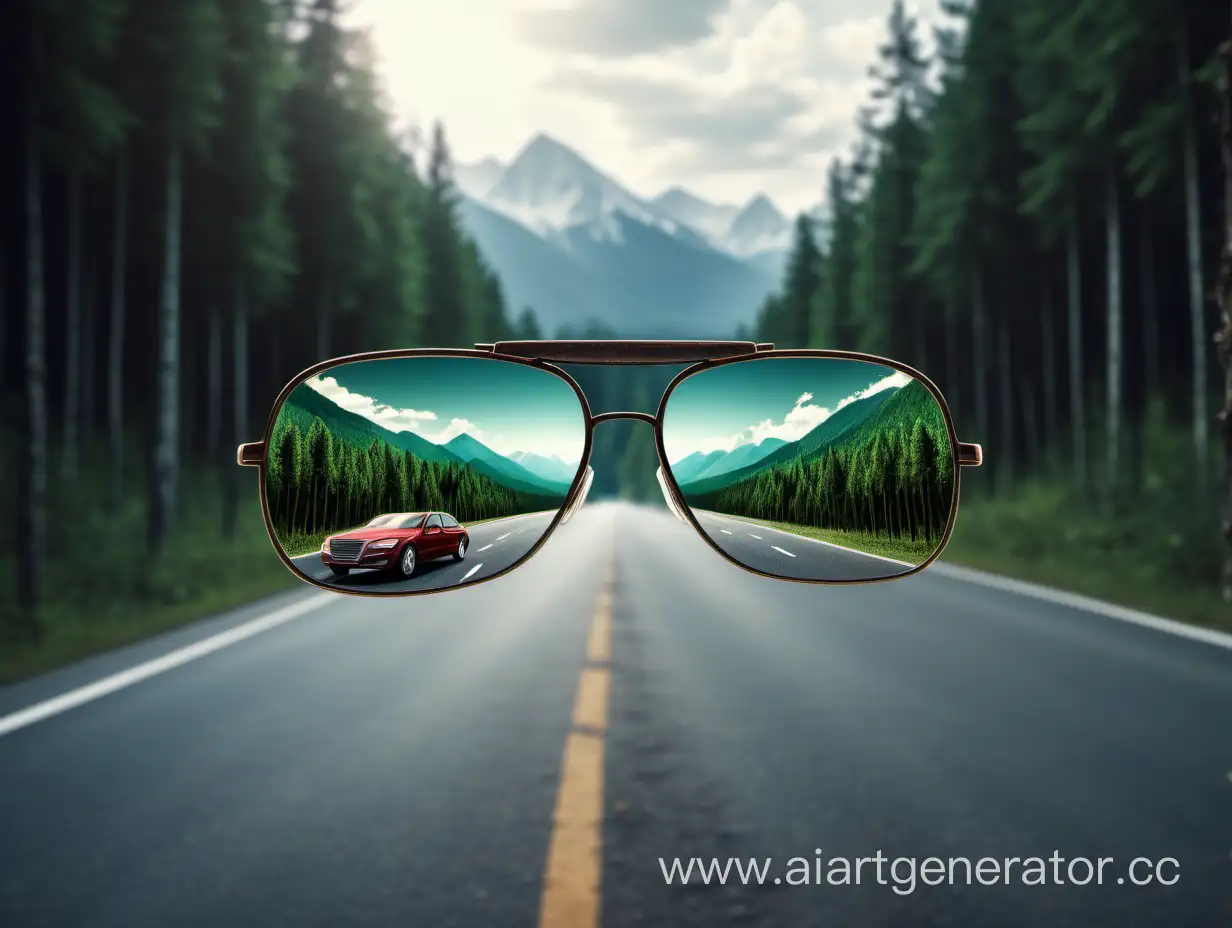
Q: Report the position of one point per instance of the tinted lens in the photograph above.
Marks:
(813, 468)
(405, 474)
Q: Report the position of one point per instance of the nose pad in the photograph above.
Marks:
(581, 497)
(667, 495)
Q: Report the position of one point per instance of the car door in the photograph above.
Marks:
(434, 537)
(453, 530)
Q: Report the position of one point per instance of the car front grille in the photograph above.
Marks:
(345, 549)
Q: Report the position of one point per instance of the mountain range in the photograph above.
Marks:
(522, 471)
(880, 410)
(573, 243)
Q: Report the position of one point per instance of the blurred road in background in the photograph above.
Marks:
(397, 762)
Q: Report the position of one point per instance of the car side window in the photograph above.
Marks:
(450, 521)
(433, 519)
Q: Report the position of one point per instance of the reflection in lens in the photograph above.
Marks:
(404, 474)
(813, 468)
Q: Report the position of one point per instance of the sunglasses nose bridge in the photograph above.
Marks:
(613, 416)
(650, 420)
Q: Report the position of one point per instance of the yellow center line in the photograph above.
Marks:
(572, 882)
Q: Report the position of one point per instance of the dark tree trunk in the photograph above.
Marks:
(239, 397)
(115, 337)
(1197, 286)
(72, 334)
(167, 425)
(1077, 398)
(1048, 359)
(1224, 338)
(31, 537)
(213, 401)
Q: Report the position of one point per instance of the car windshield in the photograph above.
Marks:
(381, 520)
(409, 520)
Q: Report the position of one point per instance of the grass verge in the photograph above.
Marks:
(1156, 551)
(103, 590)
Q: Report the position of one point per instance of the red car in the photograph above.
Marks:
(395, 542)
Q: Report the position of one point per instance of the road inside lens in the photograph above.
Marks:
(523, 752)
(493, 546)
(798, 557)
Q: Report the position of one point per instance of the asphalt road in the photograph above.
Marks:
(784, 554)
(493, 546)
(399, 761)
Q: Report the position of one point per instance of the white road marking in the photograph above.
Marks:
(724, 531)
(758, 537)
(485, 547)
(124, 678)
(504, 536)
(781, 551)
(1085, 603)
(471, 571)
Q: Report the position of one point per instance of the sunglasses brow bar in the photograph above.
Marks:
(605, 351)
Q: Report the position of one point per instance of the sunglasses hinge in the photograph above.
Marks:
(250, 454)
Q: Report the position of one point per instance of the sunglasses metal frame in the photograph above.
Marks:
(699, 355)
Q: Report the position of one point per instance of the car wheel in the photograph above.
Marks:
(461, 552)
(408, 561)
(340, 571)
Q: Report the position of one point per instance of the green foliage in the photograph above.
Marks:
(891, 475)
(318, 482)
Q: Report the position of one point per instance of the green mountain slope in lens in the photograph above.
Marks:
(480, 456)
(551, 469)
(306, 403)
(844, 421)
(691, 466)
(909, 403)
(893, 409)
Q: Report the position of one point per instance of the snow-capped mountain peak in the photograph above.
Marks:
(758, 227)
(710, 219)
(550, 186)
(478, 179)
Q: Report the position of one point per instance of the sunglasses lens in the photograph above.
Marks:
(813, 468)
(403, 474)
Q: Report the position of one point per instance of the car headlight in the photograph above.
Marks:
(325, 546)
(384, 543)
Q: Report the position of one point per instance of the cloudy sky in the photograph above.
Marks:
(727, 97)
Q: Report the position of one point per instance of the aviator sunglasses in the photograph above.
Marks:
(384, 473)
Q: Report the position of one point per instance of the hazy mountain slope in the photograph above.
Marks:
(476, 453)
(741, 456)
(710, 219)
(689, 467)
(533, 272)
(757, 228)
(546, 468)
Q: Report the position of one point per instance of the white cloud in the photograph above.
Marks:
(388, 417)
(718, 443)
(897, 379)
(455, 428)
(802, 419)
(476, 65)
